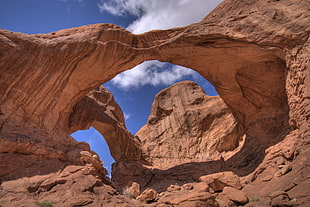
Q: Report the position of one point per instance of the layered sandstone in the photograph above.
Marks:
(98, 109)
(186, 125)
(247, 50)
(255, 53)
(72, 186)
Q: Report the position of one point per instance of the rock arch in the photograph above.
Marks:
(98, 109)
(248, 55)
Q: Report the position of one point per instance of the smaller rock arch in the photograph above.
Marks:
(98, 109)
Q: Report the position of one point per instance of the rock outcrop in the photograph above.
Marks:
(186, 125)
(255, 53)
(98, 109)
(72, 186)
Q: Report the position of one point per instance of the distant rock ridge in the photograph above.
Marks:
(255, 53)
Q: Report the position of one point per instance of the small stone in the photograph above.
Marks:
(172, 188)
(280, 160)
(202, 187)
(267, 178)
(277, 193)
(283, 170)
(194, 196)
(134, 189)
(281, 200)
(235, 195)
(218, 181)
(187, 186)
(147, 195)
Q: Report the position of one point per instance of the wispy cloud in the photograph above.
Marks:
(127, 116)
(156, 14)
(159, 14)
(125, 7)
(153, 73)
(66, 1)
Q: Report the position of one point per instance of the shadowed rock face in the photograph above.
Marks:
(255, 53)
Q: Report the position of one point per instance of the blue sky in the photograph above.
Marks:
(134, 90)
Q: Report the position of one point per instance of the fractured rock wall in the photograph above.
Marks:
(186, 125)
(255, 53)
(242, 50)
(98, 109)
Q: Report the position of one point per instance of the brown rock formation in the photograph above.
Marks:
(26, 156)
(219, 181)
(72, 186)
(186, 125)
(134, 190)
(98, 109)
(256, 54)
(256, 60)
(148, 195)
(232, 196)
(190, 194)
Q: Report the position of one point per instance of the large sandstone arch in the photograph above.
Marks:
(248, 55)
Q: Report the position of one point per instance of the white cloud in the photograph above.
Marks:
(124, 7)
(153, 73)
(156, 14)
(159, 14)
(127, 116)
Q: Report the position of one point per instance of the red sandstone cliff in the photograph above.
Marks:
(186, 125)
(256, 54)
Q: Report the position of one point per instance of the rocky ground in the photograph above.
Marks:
(248, 147)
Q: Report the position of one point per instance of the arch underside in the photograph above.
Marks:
(249, 77)
(248, 69)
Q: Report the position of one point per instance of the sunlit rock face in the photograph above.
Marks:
(186, 125)
(255, 53)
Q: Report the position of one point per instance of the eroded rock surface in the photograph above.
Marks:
(98, 109)
(22, 156)
(186, 125)
(72, 186)
(255, 53)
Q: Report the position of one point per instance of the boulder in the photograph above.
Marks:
(134, 189)
(148, 195)
(218, 181)
(235, 195)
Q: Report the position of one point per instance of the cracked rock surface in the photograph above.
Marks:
(255, 53)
